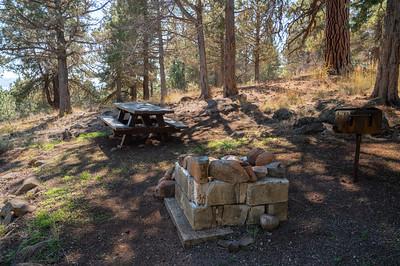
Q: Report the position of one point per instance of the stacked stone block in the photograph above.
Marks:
(208, 202)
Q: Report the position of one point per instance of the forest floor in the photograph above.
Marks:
(93, 209)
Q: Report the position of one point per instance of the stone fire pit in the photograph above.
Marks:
(232, 190)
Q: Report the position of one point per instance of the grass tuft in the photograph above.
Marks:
(226, 145)
(92, 135)
(2, 230)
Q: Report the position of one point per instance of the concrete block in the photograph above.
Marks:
(199, 217)
(187, 235)
(267, 191)
(235, 214)
(280, 210)
(254, 214)
(221, 193)
(242, 193)
(199, 192)
(181, 176)
(198, 168)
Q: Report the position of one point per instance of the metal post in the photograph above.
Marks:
(357, 157)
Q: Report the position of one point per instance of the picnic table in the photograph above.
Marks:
(136, 118)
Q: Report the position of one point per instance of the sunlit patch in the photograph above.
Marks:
(315, 197)
(137, 178)
(73, 257)
(349, 185)
(153, 218)
(152, 231)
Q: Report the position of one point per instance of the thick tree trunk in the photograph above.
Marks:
(146, 64)
(230, 88)
(163, 82)
(118, 84)
(63, 91)
(221, 60)
(46, 89)
(337, 37)
(133, 92)
(256, 52)
(205, 94)
(387, 78)
(56, 96)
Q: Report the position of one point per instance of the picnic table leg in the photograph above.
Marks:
(122, 141)
(131, 123)
(161, 124)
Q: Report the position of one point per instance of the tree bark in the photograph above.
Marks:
(56, 96)
(118, 84)
(133, 92)
(387, 78)
(46, 89)
(63, 91)
(230, 88)
(163, 82)
(221, 58)
(256, 52)
(337, 37)
(205, 94)
(146, 64)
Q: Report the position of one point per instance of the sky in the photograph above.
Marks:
(7, 78)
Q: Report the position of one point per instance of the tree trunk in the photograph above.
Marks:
(46, 90)
(256, 52)
(221, 58)
(205, 93)
(146, 64)
(230, 88)
(163, 82)
(63, 91)
(133, 92)
(118, 84)
(337, 37)
(387, 78)
(56, 96)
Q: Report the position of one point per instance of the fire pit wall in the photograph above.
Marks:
(227, 199)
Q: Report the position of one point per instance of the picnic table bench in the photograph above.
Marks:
(136, 118)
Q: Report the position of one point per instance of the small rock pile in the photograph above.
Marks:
(231, 190)
(14, 207)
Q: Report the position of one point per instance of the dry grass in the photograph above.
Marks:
(358, 82)
(286, 100)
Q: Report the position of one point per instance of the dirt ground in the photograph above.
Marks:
(332, 221)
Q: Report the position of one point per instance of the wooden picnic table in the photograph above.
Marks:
(135, 118)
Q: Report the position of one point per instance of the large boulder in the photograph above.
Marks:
(252, 155)
(312, 128)
(283, 114)
(27, 185)
(18, 207)
(265, 158)
(228, 171)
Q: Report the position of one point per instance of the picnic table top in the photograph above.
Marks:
(142, 108)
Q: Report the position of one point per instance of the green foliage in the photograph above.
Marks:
(177, 75)
(226, 145)
(2, 230)
(7, 105)
(92, 135)
(45, 146)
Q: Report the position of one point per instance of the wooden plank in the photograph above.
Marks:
(113, 123)
(173, 123)
(143, 108)
(187, 235)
